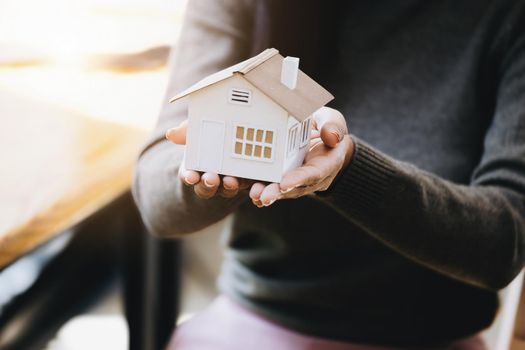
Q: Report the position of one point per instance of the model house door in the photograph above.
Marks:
(211, 146)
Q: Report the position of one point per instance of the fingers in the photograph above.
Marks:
(302, 191)
(190, 177)
(270, 194)
(332, 134)
(208, 186)
(298, 177)
(255, 193)
(177, 135)
(230, 187)
(331, 124)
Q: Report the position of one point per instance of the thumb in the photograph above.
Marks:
(331, 125)
(177, 135)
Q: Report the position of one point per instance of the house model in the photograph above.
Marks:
(252, 120)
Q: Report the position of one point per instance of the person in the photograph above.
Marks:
(408, 214)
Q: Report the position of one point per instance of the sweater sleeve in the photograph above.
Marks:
(474, 232)
(215, 35)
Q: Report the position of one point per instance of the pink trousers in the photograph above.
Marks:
(225, 325)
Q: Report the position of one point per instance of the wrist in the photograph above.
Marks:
(349, 143)
(350, 150)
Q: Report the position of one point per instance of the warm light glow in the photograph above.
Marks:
(66, 37)
(79, 55)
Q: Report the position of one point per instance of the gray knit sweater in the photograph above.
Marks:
(411, 243)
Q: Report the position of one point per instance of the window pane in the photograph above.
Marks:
(249, 134)
(258, 151)
(238, 148)
(248, 149)
(240, 132)
(267, 152)
(259, 136)
(269, 137)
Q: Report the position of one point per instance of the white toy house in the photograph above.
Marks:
(252, 120)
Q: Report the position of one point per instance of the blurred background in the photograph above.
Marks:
(93, 56)
(81, 84)
(77, 77)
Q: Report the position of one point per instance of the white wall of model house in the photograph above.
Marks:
(251, 140)
(214, 150)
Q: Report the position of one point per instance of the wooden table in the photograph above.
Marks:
(57, 167)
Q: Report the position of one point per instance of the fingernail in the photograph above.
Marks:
(338, 135)
(207, 184)
(268, 203)
(188, 181)
(289, 189)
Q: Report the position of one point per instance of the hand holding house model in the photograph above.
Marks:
(252, 120)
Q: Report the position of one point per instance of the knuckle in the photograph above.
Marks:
(296, 194)
(326, 184)
(316, 175)
(202, 192)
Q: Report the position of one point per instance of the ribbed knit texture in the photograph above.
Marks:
(363, 184)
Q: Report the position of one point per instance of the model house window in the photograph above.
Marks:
(293, 139)
(305, 132)
(253, 143)
(240, 96)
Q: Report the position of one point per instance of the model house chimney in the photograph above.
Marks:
(289, 71)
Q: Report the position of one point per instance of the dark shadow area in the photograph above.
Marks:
(111, 246)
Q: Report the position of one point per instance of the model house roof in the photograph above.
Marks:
(264, 72)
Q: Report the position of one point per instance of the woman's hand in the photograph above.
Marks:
(330, 152)
(206, 185)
